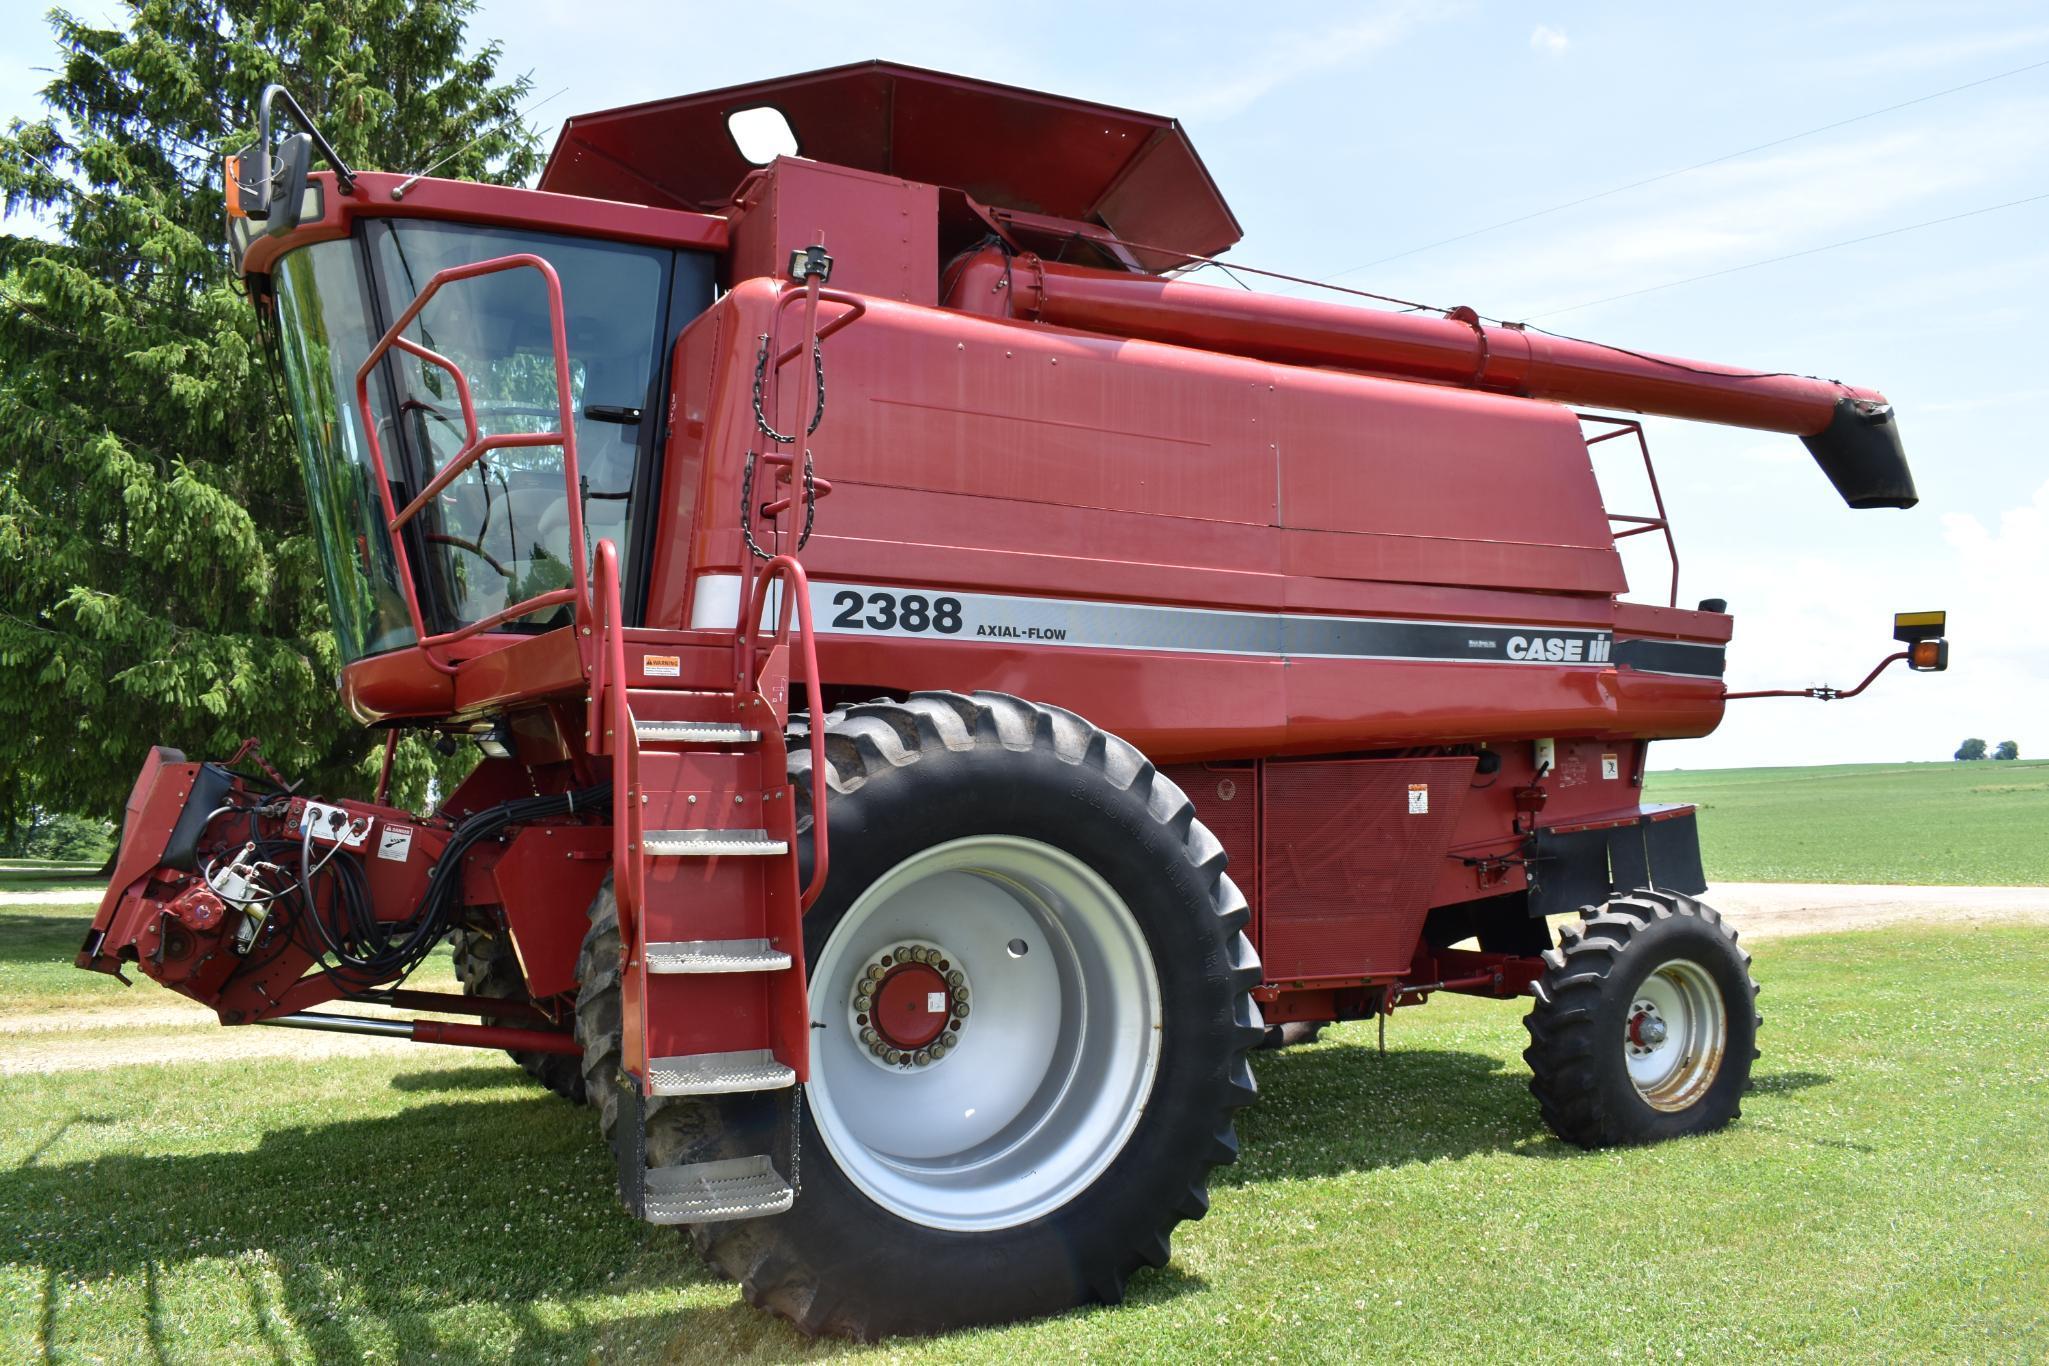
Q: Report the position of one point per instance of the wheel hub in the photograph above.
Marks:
(909, 1005)
(1674, 1035)
(1646, 1028)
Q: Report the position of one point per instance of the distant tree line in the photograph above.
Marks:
(1974, 748)
(57, 836)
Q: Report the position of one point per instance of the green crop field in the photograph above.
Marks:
(1883, 1196)
(1976, 824)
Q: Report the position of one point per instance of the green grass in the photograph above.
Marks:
(1975, 824)
(39, 942)
(1884, 1196)
(41, 875)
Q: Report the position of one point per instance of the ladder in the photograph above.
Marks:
(705, 871)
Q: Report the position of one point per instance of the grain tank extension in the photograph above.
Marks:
(948, 686)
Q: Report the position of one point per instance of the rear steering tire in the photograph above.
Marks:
(1026, 1148)
(1645, 1024)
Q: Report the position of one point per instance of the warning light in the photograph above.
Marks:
(1921, 633)
(1928, 656)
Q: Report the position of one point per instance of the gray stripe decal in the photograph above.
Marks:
(872, 610)
(1687, 657)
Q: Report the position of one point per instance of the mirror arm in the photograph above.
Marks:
(344, 178)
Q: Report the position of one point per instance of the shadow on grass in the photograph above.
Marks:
(370, 1231)
(363, 1232)
(1785, 1083)
(41, 939)
(1342, 1106)
(488, 1077)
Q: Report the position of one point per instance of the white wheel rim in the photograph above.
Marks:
(1674, 1035)
(1052, 1068)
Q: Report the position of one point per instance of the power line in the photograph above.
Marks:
(1696, 166)
(1794, 255)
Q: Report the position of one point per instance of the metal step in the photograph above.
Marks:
(710, 843)
(714, 1074)
(693, 733)
(715, 955)
(709, 1192)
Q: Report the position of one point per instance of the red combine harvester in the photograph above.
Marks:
(863, 859)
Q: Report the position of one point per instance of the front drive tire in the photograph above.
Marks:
(1049, 1150)
(486, 966)
(1645, 1024)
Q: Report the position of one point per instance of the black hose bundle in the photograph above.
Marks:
(367, 952)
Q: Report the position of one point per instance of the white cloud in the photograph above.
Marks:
(2009, 566)
(1744, 210)
(1548, 40)
(1940, 54)
(1288, 57)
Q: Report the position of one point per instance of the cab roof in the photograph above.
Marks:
(1135, 174)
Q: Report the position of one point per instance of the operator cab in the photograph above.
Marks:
(499, 533)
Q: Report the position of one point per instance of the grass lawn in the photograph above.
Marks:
(39, 942)
(1975, 824)
(1884, 1195)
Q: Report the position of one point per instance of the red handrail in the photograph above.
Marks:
(609, 710)
(1626, 426)
(473, 448)
(796, 606)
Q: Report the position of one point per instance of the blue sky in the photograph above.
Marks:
(1345, 135)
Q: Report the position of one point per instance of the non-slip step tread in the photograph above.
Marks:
(715, 955)
(710, 1192)
(713, 1074)
(711, 844)
(694, 733)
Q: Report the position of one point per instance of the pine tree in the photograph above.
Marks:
(157, 578)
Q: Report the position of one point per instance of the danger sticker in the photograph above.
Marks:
(661, 666)
(1419, 799)
(935, 1003)
(1611, 766)
(396, 843)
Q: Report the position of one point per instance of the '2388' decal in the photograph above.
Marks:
(895, 612)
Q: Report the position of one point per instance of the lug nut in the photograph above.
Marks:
(921, 1057)
(960, 994)
(892, 1057)
(937, 1051)
(870, 1037)
(956, 978)
(960, 1012)
(877, 972)
(948, 1039)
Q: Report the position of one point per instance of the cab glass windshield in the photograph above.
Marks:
(324, 330)
(499, 533)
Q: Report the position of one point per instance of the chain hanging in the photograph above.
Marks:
(761, 421)
(761, 379)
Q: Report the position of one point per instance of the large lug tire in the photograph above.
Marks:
(1049, 1151)
(1645, 1024)
(486, 966)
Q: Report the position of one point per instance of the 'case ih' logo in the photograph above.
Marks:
(1559, 649)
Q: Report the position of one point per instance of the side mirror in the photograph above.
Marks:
(288, 184)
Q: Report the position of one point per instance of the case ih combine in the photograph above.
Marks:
(949, 686)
